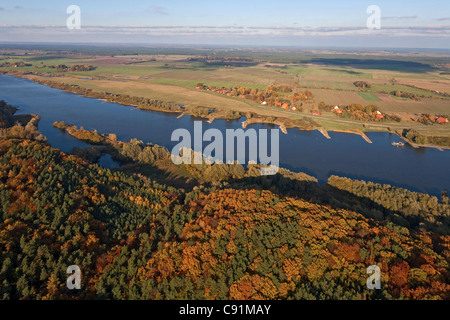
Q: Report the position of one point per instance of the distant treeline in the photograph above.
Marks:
(73, 68)
(14, 65)
(225, 61)
(407, 95)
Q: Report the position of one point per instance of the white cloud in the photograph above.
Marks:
(159, 10)
(236, 32)
(400, 18)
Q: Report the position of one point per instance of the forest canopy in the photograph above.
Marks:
(136, 239)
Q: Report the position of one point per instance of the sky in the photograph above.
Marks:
(332, 23)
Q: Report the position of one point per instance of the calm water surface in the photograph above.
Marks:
(424, 169)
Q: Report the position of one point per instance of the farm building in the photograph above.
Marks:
(441, 120)
(337, 110)
(380, 115)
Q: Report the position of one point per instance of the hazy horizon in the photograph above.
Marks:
(205, 46)
(288, 23)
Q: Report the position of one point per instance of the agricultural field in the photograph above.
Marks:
(369, 96)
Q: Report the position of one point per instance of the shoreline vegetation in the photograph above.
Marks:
(221, 175)
(210, 114)
(18, 126)
(131, 155)
(413, 138)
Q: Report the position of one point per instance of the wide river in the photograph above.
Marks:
(424, 170)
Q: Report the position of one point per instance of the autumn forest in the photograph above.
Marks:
(136, 235)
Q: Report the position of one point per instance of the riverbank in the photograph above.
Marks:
(357, 132)
(418, 145)
(135, 156)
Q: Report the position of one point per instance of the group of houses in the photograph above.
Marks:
(431, 119)
(285, 106)
(340, 110)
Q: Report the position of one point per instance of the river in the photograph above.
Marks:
(424, 169)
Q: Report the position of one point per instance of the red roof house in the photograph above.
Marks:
(441, 120)
(337, 110)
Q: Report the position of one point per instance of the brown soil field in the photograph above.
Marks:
(387, 104)
(181, 95)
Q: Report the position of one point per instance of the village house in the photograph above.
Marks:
(441, 120)
(337, 110)
(380, 115)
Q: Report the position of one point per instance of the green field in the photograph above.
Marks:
(369, 96)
